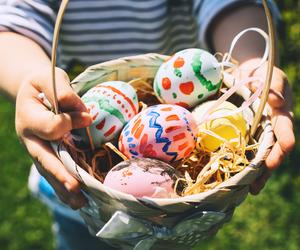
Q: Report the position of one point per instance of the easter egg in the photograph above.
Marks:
(164, 131)
(143, 177)
(188, 78)
(111, 104)
(227, 127)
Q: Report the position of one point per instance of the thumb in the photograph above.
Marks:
(49, 126)
(65, 185)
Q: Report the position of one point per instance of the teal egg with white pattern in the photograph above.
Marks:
(111, 104)
(188, 78)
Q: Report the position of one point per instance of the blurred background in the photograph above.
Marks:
(268, 221)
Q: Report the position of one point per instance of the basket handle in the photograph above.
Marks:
(57, 26)
(265, 92)
(271, 61)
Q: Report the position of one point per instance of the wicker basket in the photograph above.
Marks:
(152, 219)
(160, 223)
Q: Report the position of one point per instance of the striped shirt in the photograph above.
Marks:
(94, 31)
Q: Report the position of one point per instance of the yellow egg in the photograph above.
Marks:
(228, 127)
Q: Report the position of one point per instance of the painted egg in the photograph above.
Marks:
(166, 132)
(188, 78)
(227, 127)
(143, 177)
(111, 104)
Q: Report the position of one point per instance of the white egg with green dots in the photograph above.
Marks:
(188, 78)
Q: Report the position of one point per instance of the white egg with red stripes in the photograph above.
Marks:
(111, 104)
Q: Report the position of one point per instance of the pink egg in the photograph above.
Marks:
(143, 177)
(166, 132)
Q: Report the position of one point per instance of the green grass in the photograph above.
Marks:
(24, 222)
(268, 221)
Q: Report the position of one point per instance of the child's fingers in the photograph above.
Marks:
(259, 183)
(277, 95)
(282, 123)
(64, 184)
(275, 98)
(74, 200)
(280, 101)
(35, 121)
(68, 100)
(275, 157)
(56, 126)
(44, 155)
(34, 118)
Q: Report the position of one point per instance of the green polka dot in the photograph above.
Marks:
(177, 72)
(156, 88)
(200, 96)
(174, 95)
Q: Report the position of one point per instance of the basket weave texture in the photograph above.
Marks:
(146, 223)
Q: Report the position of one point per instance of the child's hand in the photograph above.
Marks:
(280, 102)
(36, 125)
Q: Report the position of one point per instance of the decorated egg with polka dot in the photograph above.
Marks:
(166, 132)
(188, 78)
(111, 104)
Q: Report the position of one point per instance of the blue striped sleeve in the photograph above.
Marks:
(207, 10)
(31, 18)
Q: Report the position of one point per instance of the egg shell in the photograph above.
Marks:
(143, 177)
(188, 78)
(165, 131)
(111, 104)
(223, 126)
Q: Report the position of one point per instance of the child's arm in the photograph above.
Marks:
(248, 51)
(24, 73)
(17, 53)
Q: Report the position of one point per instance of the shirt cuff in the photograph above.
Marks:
(27, 23)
